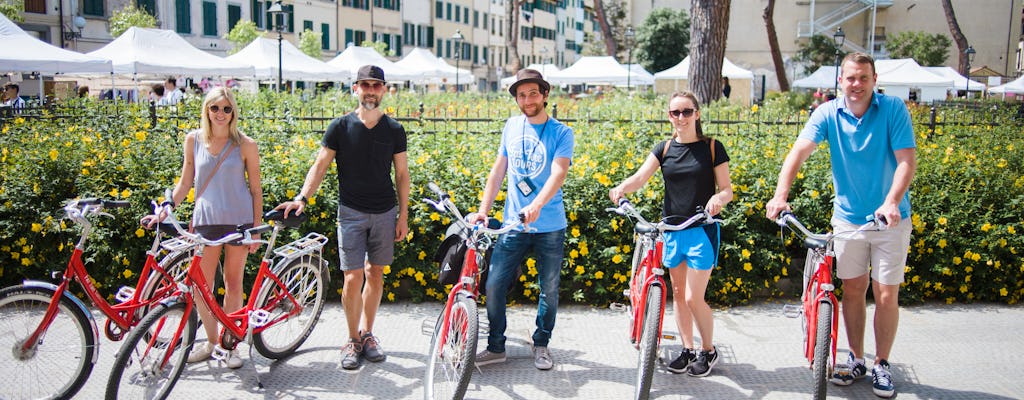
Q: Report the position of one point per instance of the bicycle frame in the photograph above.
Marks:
(646, 273)
(820, 289)
(467, 285)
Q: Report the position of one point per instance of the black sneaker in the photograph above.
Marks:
(371, 347)
(882, 380)
(705, 361)
(350, 354)
(845, 374)
(682, 363)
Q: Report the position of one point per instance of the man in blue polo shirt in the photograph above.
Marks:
(871, 144)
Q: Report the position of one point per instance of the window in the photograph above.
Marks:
(349, 37)
(307, 24)
(458, 13)
(92, 7)
(325, 36)
(465, 14)
(398, 49)
(182, 16)
(476, 19)
(257, 13)
(35, 6)
(209, 18)
(430, 36)
(234, 15)
(438, 50)
(148, 5)
(449, 8)
(438, 10)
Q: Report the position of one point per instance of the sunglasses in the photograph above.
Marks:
(685, 113)
(371, 85)
(215, 108)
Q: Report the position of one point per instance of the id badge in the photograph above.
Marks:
(525, 186)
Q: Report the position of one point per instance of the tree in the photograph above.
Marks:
(611, 18)
(512, 35)
(819, 50)
(925, 48)
(241, 35)
(709, 29)
(592, 46)
(773, 45)
(663, 40)
(381, 48)
(128, 17)
(958, 37)
(14, 10)
(310, 44)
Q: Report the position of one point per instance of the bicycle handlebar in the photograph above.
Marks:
(788, 219)
(445, 205)
(626, 208)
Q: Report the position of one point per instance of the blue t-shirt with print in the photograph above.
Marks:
(530, 150)
(863, 152)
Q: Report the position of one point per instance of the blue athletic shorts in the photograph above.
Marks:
(697, 246)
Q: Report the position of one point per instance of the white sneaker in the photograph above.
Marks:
(234, 361)
(200, 352)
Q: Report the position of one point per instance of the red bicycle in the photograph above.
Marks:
(453, 342)
(49, 338)
(818, 311)
(284, 305)
(647, 288)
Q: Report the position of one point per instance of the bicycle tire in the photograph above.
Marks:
(648, 343)
(822, 346)
(453, 360)
(303, 278)
(133, 374)
(176, 265)
(59, 365)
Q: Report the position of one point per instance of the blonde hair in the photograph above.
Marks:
(696, 106)
(215, 95)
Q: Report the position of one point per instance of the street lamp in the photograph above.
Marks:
(275, 11)
(457, 38)
(629, 43)
(543, 54)
(970, 58)
(839, 37)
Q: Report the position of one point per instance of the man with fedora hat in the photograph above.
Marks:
(535, 154)
(372, 214)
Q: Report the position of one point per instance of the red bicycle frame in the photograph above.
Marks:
(470, 270)
(643, 278)
(819, 290)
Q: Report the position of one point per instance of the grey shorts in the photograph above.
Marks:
(214, 232)
(366, 237)
(883, 253)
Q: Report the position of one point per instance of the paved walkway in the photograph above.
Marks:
(942, 352)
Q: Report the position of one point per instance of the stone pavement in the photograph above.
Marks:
(942, 352)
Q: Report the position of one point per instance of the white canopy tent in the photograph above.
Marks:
(639, 69)
(823, 78)
(1014, 87)
(897, 77)
(675, 79)
(597, 71)
(959, 81)
(433, 69)
(262, 55)
(544, 70)
(141, 51)
(24, 53)
(354, 57)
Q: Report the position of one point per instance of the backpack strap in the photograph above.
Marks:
(664, 151)
(712, 144)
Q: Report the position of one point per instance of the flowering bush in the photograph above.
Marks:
(967, 195)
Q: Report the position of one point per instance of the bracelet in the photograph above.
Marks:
(302, 199)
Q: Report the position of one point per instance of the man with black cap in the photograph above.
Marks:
(364, 144)
(535, 154)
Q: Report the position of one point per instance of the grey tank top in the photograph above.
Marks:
(226, 199)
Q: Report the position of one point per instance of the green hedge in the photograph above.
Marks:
(967, 195)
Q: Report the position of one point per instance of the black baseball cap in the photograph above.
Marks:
(370, 73)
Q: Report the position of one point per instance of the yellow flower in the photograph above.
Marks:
(575, 231)
(1011, 231)
(942, 243)
(748, 267)
(986, 227)
(140, 233)
(26, 261)
(125, 193)
(599, 275)
(114, 192)
(36, 227)
(387, 269)
(127, 273)
(220, 291)
(530, 262)
(617, 259)
(422, 255)
(53, 154)
(745, 253)
(391, 296)
(527, 292)
(140, 136)
(574, 254)
(435, 217)
(943, 220)
(957, 261)
(579, 270)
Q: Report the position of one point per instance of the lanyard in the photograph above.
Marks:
(526, 159)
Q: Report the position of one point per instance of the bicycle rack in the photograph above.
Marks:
(792, 310)
(311, 242)
(176, 244)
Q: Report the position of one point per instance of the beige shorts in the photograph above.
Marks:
(884, 253)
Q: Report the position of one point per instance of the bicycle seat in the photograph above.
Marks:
(815, 243)
(291, 221)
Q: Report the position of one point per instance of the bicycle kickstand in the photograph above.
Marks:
(257, 318)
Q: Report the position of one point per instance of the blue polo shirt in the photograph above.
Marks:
(863, 152)
(530, 150)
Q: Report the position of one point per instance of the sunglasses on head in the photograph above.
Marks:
(368, 85)
(215, 108)
(685, 113)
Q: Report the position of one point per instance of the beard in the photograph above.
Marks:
(533, 112)
(370, 103)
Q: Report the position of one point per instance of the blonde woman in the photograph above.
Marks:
(223, 166)
(696, 173)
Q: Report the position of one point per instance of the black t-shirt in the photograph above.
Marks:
(689, 176)
(364, 159)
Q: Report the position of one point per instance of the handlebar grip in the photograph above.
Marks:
(167, 227)
(259, 229)
(437, 190)
(89, 201)
(785, 213)
(522, 217)
(622, 201)
(115, 203)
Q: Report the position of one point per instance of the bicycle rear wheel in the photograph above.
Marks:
(648, 343)
(61, 359)
(303, 280)
(450, 364)
(822, 363)
(153, 355)
(157, 286)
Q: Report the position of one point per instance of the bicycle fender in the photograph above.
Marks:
(78, 303)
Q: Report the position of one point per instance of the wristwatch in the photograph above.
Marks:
(302, 199)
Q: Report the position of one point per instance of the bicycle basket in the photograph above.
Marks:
(451, 254)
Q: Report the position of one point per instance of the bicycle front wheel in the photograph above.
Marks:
(158, 286)
(153, 355)
(450, 364)
(59, 361)
(648, 343)
(303, 279)
(822, 345)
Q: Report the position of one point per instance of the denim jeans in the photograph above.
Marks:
(509, 253)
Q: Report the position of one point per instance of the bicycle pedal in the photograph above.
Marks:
(258, 318)
(427, 326)
(792, 310)
(618, 307)
(667, 336)
(124, 294)
(220, 354)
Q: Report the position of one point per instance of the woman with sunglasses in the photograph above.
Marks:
(696, 172)
(223, 165)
